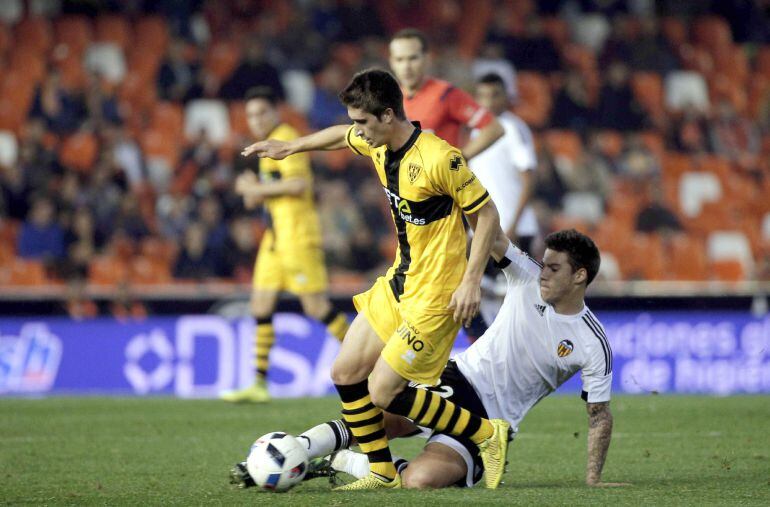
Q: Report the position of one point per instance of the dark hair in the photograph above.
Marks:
(580, 249)
(374, 91)
(492, 78)
(412, 33)
(261, 92)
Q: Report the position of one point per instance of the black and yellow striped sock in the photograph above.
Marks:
(428, 409)
(337, 323)
(367, 424)
(264, 338)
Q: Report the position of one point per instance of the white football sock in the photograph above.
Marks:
(325, 438)
(357, 464)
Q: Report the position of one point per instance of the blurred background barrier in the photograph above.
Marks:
(193, 356)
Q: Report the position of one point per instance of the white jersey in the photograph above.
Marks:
(499, 169)
(530, 350)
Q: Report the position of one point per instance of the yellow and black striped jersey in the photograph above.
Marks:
(429, 186)
(294, 219)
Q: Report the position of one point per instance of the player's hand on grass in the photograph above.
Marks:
(269, 148)
(465, 302)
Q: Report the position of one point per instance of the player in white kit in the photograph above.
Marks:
(507, 170)
(542, 336)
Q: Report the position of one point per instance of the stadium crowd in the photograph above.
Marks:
(121, 124)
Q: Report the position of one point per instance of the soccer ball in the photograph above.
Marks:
(277, 462)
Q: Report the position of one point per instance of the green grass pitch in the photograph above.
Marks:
(674, 450)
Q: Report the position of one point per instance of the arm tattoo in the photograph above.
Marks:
(599, 435)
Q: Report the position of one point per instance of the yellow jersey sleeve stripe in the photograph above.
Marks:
(477, 203)
(350, 143)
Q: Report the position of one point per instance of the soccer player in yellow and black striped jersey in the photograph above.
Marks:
(408, 320)
(290, 256)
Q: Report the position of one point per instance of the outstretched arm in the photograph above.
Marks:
(487, 136)
(331, 138)
(599, 436)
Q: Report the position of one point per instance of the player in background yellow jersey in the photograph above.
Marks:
(290, 256)
(408, 320)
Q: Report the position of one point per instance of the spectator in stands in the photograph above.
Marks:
(178, 80)
(254, 70)
(125, 307)
(549, 186)
(101, 103)
(130, 219)
(572, 108)
(526, 50)
(618, 109)
(734, 137)
(40, 236)
(689, 132)
(37, 156)
(174, 213)
(77, 304)
(586, 173)
(357, 21)
(241, 250)
(656, 216)
(61, 111)
(340, 218)
(637, 162)
(195, 261)
(15, 192)
(209, 214)
(326, 109)
(82, 241)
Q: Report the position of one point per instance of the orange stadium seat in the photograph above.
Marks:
(115, 29)
(73, 76)
(648, 90)
(654, 142)
(727, 270)
(73, 31)
(29, 63)
(642, 258)
(557, 29)
(138, 95)
(79, 151)
(162, 144)
(34, 33)
(144, 64)
(565, 143)
(168, 116)
(149, 271)
(294, 118)
(6, 39)
(107, 270)
(16, 94)
(610, 143)
(238, 125)
(758, 95)
(534, 98)
(676, 164)
(151, 33)
(25, 272)
(221, 59)
(711, 32)
(674, 31)
(160, 249)
(476, 16)
(762, 61)
(686, 257)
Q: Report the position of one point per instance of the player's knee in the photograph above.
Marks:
(416, 477)
(345, 373)
(382, 395)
